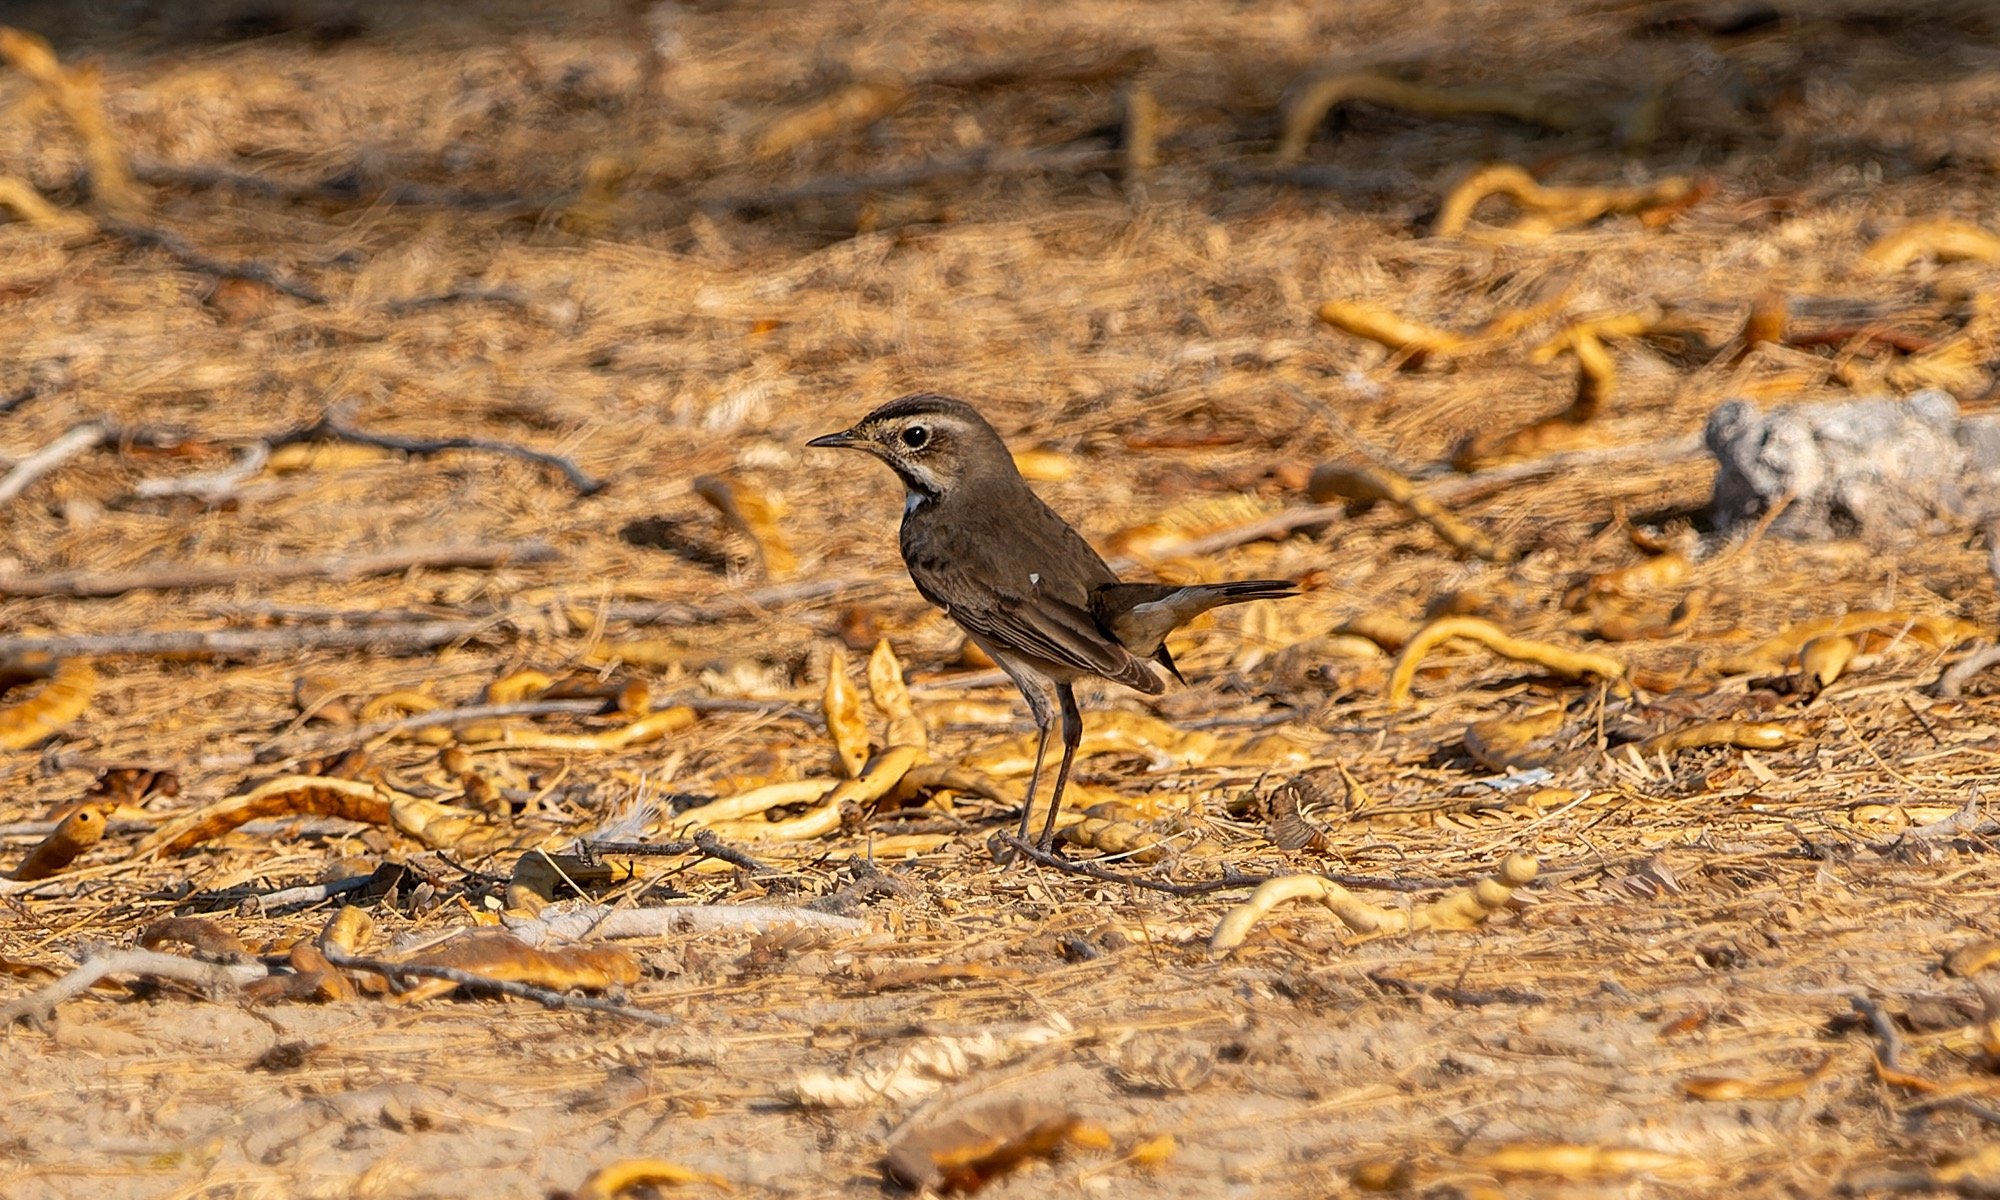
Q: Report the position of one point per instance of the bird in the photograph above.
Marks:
(1021, 582)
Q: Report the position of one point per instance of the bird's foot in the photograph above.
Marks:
(1007, 848)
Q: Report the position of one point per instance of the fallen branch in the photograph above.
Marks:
(49, 457)
(1889, 1043)
(209, 486)
(1951, 684)
(338, 567)
(311, 893)
(606, 921)
(236, 643)
(460, 295)
(704, 843)
(753, 603)
(38, 1007)
(351, 185)
(317, 743)
(547, 997)
(330, 429)
(399, 637)
(1006, 845)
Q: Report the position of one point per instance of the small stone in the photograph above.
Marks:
(1876, 468)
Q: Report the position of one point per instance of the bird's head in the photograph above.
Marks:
(934, 443)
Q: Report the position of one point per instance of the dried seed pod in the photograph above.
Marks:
(841, 703)
(73, 835)
(1461, 909)
(852, 107)
(1570, 663)
(1821, 661)
(892, 698)
(1745, 735)
(64, 698)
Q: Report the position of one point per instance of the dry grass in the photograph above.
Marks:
(1708, 915)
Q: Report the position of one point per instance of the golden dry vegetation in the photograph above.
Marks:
(403, 513)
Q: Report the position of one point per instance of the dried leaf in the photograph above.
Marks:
(647, 729)
(1773, 655)
(78, 93)
(967, 1151)
(55, 704)
(1821, 661)
(517, 686)
(1370, 484)
(199, 934)
(1172, 529)
(1971, 959)
(1725, 1088)
(497, 954)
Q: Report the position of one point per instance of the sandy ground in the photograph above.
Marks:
(1704, 916)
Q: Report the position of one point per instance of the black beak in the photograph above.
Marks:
(844, 440)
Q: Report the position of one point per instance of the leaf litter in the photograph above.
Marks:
(350, 751)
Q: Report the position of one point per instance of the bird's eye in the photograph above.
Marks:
(916, 436)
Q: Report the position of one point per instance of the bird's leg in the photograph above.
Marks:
(1041, 751)
(1072, 733)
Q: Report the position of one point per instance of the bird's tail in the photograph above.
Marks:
(1141, 615)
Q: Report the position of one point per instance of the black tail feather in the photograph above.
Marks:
(1140, 615)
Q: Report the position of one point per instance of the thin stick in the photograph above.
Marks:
(38, 1007)
(752, 603)
(459, 295)
(1048, 858)
(988, 162)
(281, 749)
(1303, 517)
(704, 843)
(1951, 684)
(1889, 1050)
(51, 456)
(471, 981)
(210, 486)
(329, 428)
(145, 236)
(337, 567)
(312, 893)
(16, 398)
(672, 921)
(402, 637)
(397, 638)
(349, 185)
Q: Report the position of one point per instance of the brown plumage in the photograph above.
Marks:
(1025, 586)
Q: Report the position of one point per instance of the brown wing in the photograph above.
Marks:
(1036, 625)
(1011, 571)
